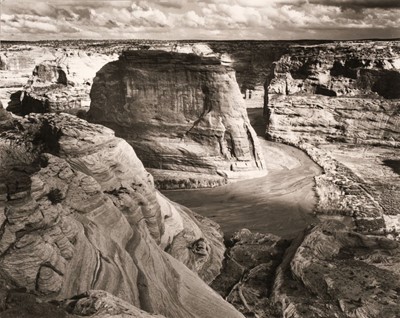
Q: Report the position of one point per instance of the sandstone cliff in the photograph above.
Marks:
(327, 271)
(93, 304)
(334, 272)
(79, 212)
(253, 63)
(59, 84)
(340, 102)
(180, 112)
(77, 61)
(346, 92)
(16, 65)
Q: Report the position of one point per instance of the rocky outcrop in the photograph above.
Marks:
(342, 95)
(346, 92)
(334, 272)
(16, 65)
(180, 112)
(5, 117)
(253, 63)
(339, 69)
(61, 84)
(321, 119)
(248, 274)
(327, 271)
(79, 212)
(94, 304)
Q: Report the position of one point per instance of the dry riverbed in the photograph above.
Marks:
(280, 203)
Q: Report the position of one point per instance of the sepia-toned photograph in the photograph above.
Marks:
(200, 158)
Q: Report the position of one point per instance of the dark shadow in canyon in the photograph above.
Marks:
(393, 164)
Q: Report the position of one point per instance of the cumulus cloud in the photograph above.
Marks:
(204, 19)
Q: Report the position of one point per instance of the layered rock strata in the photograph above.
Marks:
(249, 270)
(334, 272)
(16, 65)
(180, 112)
(94, 304)
(342, 95)
(337, 92)
(79, 212)
(342, 193)
(327, 271)
(60, 84)
(253, 63)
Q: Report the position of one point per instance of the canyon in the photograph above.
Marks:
(340, 104)
(181, 113)
(306, 232)
(78, 204)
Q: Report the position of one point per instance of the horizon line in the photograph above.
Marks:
(214, 40)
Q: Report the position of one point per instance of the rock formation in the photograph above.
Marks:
(343, 95)
(5, 117)
(327, 271)
(60, 84)
(334, 272)
(344, 92)
(94, 304)
(248, 274)
(84, 232)
(253, 63)
(16, 65)
(78, 60)
(181, 112)
(77, 203)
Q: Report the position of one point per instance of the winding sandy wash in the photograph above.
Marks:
(280, 203)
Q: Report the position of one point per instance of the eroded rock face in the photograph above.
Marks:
(253, 63)
(337, 69)
(59, 84)
(339, 273)
(346, 92)
(79, 212)
(320, 119)
(343, 98)
(248, 274)
(16, 65)
(181, 112)
(327, 271)
(94, 304)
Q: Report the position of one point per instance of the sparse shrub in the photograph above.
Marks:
(55, 196)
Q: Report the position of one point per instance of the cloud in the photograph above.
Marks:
(177, 4)
(359, 4)
(204, 19)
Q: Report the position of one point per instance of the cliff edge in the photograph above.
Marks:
(79, 212)
(181, 112)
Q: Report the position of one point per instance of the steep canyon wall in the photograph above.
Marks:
(79, 212)
(181, 112)
(344, 92)
(340, 103)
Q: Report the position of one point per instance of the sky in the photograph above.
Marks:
(199, 19)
